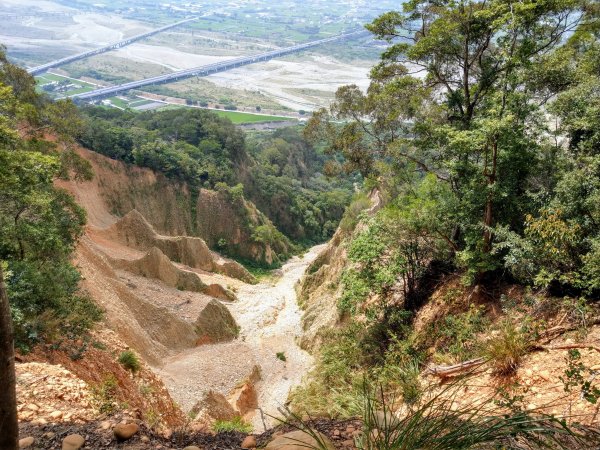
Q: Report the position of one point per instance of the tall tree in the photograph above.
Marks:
(39, 225)
(449, 98)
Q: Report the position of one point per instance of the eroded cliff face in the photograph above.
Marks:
(321, 288)
(228, 223)
(172, 209)
(319, 292)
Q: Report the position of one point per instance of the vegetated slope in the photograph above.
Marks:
(539, 351)
(162, 295)
(118, 188)
(56, 387)
(286, 179)
(483, 258)
(280, 172)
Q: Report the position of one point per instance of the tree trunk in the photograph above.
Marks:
(488, 215)
(9, 426)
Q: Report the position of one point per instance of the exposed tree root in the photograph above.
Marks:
(455, 369)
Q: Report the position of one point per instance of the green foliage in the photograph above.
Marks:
(288, 185)
(130, 361)
(190, 145)
(104, 394)
(578, 376)
(267, 234)
(356, 290)
(281, 356)
(39, 223)
(506, 349)
(236, 424)
(474, 123)
(396, 247)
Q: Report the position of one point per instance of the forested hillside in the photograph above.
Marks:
(280, 172)
(452, 301)
(39, 227)
(479, 136)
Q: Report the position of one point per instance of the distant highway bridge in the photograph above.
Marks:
(69, 59)
(42, 14)
(209, 69)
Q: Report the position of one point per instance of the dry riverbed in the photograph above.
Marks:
(269, 320)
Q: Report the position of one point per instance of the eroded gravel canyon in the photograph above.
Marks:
(269, 319)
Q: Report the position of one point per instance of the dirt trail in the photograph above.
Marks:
(269, 320)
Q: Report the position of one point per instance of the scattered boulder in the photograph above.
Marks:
(55, 415)
(249, 442)
(73, 442)
(299, 440)
(124, 431)
(215, 324)
(235, 270)
(385, 420)
(244, 398)
(192, 447)
(26, 442)
(247, 400)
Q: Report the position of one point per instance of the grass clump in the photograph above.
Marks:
(104, 395)
(130, 361)
(235, 424)
(281, 356)
(506, 349)
(440, 422)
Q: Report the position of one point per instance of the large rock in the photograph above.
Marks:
(218, 291)
(385, 420)
(124, 431)
(300, 440)
(249, 442)
(73, 442)
(26, 442)
(244, 397)
(215, 406)
(215, 324)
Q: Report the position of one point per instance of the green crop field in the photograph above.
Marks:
(241, 117)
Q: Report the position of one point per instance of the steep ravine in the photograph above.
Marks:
(270, 323)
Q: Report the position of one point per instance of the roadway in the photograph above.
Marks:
(69, 59)
(209, 69)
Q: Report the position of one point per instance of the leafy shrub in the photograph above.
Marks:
(236, 424)
(456, 334)
(281, 356)
(104, 394)
(580, 377)
(130, 361)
